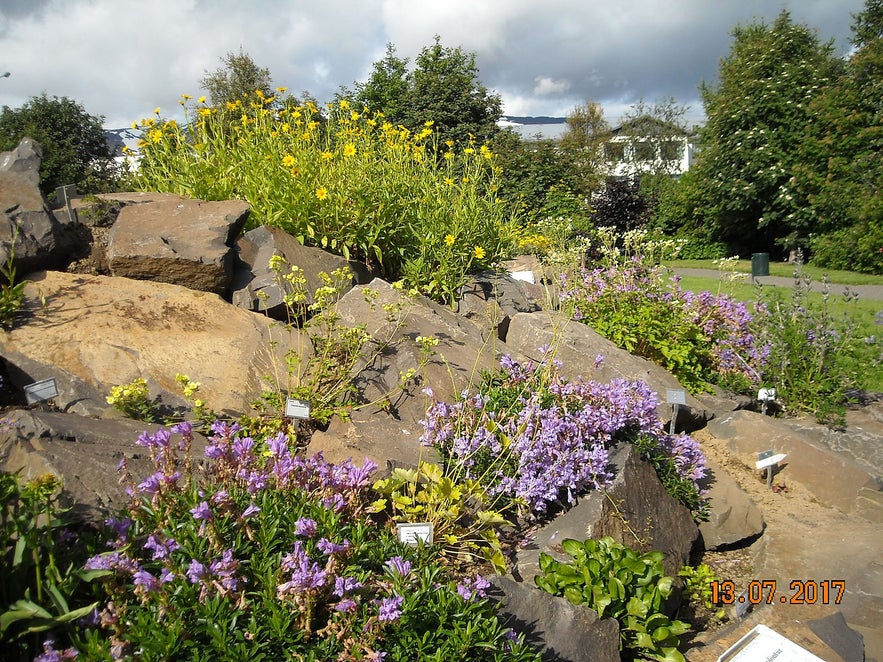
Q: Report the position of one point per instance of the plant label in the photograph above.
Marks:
(297, 408)
(676, 396)
(415, 533)
(768, 460)
(40, 391)
(763, 643)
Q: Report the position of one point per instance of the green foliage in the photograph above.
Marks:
(816, 357)
(355, 185)
(459, 510)
(444, 87)
(39, 591)
(74, 147)
(621, 205)
(698, 581)
(621, 583)
(751, 142)
(238, 78)
(12, 293)
(133, 400)
(681, 488)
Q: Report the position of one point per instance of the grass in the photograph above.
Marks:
(786, 270)
(865, 312)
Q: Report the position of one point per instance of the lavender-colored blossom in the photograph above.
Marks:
(250, 511)
(166, 576)
(346, 605)
(305, 573)
(49, 653)
(224, 570)
(344, 585)
(202, 512)
(143, 578)
(305, 526)
(120, 527)
(398, 566)
(160, 548)
(196, 572)
(390, 608)
(327, 547)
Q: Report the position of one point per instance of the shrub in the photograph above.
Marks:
(620, 583)
(353, 184)
(537, 441)
(265, 554)
(133, 400)
(12, 293)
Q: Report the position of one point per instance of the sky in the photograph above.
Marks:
(121, 59)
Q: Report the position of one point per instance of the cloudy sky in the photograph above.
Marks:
(123, 58)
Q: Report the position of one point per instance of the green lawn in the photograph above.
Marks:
(787, 271)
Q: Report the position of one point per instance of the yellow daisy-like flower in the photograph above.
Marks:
(469, 150)
(156, 111)
(428, 123)
(344, 104)
(288, 160)
(155, 136)
(349, 149)
(322, 193)
(186, 96)
(449, 240)
(327, 155)
(281, 90)
(449, 181)
(478, 252)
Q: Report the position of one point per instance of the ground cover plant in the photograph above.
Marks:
(257, 553)
(537, 441)
(349, 182)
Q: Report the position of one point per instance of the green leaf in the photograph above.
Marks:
(572, 547)
(22, 610)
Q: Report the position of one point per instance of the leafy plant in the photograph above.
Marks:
(259, 552)
(39, 591)
(537, 441)
(698, 581)
(133, 400)
(621, 583)
(463, 523)
(12, 293)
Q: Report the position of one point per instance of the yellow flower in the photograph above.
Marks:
(344, 104)
(469, 150)
(201, 99)
(478, 252)
(186, 96)
(155, 136)
(327, 155)
(288, 160)
(281, 90)
(428, 123)
(156, 111)
(449, 181)
(321, 193)
(449, 240)
(349, 149)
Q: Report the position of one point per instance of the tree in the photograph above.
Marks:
(387, 88)
(657, 136)
(239, 77)
(839, 179)
(443, 88)
(583, 141)
(75, 147)
(751, 142)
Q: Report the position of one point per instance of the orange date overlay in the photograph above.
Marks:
(764, 591)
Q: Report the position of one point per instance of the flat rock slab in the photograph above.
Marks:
(184, 242)
(734, 516)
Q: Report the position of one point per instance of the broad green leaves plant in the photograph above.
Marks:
(12, 293)
(621, 583)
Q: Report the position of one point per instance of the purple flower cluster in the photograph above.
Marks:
(687, 455)
(305, 574)
(551, 445)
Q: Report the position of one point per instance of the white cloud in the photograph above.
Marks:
(546, 86)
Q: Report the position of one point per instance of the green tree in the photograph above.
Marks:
(840, 176)
(751, 142)
(583, 142)
(239, 77)
(444, 88)
(75, 147)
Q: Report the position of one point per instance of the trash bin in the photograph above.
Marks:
(760, 264)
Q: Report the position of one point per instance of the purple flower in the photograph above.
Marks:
(305, 526)
(399, 566)
(344, 585)
(196, 571)
(390, 608)
(120, 527)
(202, 512)
(305, 574)
(160, 548)
(49, 653)
(251, 511)
(327, 547)
(143, 578)
(346, 605)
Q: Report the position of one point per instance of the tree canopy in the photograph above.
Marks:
(75, 148)
(751, 142)
(238, 78)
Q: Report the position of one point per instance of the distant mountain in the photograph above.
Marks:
(118, 138)
(542, 119)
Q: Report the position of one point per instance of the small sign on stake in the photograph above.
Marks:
(764, 643)
(675, 398)
(45, 389)
(415, 533)
(767, 460)
(295, 408)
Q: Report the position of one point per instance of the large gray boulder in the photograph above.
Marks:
(734, 516)
(183, 242)
(40, 240)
